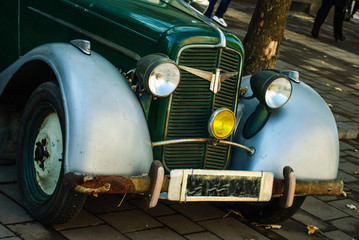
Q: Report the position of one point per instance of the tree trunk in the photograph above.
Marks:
(264, 35)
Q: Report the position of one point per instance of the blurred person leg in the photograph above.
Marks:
(210, 8)
(222, 8)
(355, 8)
(321, 16)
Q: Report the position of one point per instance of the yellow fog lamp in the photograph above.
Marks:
(221, 124)
(158, 74)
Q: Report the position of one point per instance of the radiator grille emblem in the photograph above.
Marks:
(214, 78)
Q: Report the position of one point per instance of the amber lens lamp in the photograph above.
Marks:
(221, 123)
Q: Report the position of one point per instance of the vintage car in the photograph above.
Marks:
(148, 97)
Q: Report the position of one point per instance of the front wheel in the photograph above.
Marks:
(270, 212)
(40, 158)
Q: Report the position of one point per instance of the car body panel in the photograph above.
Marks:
(302, 135)
(106, 128)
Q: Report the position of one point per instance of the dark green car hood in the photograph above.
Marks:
(150, 19)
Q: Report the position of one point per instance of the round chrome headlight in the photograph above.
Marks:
(221, 124)
(158, 74)
(272, 88)
(278, 92)
(164, 79)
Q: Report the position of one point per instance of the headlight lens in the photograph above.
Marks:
(221, 123)
(278, 93)
(164, 79)
(272, 88)
(158, 74)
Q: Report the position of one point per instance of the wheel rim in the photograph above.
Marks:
(43, 153)
(48, 148)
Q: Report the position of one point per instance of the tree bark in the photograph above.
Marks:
(264, 35)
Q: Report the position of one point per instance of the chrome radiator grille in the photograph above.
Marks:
(193, 103)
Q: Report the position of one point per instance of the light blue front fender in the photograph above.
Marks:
(302, 134)
(106, 129)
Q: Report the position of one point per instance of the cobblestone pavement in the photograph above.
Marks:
(331, 68)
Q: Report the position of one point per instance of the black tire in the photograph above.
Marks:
(269, 212)
(40, 158)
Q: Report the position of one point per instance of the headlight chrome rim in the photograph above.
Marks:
(271, 88)
(160, 83)
(159, 75)
(217, 118)
(278, 92)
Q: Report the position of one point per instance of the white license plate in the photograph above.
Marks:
(219, 185)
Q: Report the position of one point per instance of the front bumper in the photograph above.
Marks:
(156, 182)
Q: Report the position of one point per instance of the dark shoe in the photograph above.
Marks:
(341, 38)
(315, 35)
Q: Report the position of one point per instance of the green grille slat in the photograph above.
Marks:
(193, 103)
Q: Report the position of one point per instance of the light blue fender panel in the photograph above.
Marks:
(302, 134)
(106, 129)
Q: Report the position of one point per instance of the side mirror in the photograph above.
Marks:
(199, 5)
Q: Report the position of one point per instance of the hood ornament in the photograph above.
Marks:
(214, 78)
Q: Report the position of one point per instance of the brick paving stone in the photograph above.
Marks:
(338, 235)
(329, 198)
(12, 212)
(349, 168)
(230, 228)
(345, 146)
(35, 231)
(353, 186)
(342, 205)
(293, 230)
(12, 190)
(107, 203)
(84, 219)
(180, 224)
(353, 153)
(103, 232)
(198, 211)
(308, 219)
(4, 232)
(158, 234)
(346, 177)
(7, 173)
(348, 225)
(321, 210)
(130, 221)
(202, 236)
(160, 210)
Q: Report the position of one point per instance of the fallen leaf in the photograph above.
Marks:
(355, 172)
(344, 194)
(95, 194)
(312, 229)
(327, 84)
(356, 150)
(338, 89)
(352, 207)
(267, 226)
(232, 211)
(356, 66)
(330, 105)
(357, 84)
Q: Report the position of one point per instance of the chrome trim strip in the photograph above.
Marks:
(222, 39)
(250, 150)
(124, 51)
